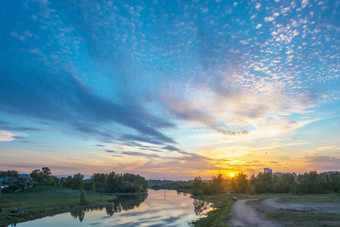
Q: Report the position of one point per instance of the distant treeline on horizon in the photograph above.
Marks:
(311, 182)
(98, 182)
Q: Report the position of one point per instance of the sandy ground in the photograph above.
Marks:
(244, 215)
(304, 207)
(251, 212)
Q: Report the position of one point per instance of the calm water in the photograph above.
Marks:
(158, 208)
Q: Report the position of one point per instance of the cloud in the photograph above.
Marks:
(292, 139)
(83, 107)
(145, 139)
(268, 19)
(321, 163)
(9, 136)
(10, 127)
(6, 136)
(140, 154)
(304, 3)
(328, 148)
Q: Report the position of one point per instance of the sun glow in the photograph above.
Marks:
(232, 174)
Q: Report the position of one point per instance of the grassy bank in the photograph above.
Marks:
(217, 217)
(41, 201)
(223, 205)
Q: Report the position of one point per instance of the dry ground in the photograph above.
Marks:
(299, 211)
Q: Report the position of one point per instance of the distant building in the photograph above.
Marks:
(267, 170)
(23, 175)
(278, 173)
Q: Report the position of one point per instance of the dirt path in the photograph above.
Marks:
(244, 215)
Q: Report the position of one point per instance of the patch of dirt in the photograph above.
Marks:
(245, 215)
(301, 207)
(288, 212)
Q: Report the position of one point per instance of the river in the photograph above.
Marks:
(157, 208)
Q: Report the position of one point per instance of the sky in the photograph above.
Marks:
(170, 89)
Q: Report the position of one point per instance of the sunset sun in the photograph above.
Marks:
(232, 174)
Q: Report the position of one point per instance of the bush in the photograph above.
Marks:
(83, 197)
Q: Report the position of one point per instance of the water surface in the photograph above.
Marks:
(157, 208)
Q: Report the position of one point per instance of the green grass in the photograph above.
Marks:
(217, 217)
(41, 201)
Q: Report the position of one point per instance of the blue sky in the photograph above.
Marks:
(170, 89)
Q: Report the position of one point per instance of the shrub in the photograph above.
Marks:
(83, 197)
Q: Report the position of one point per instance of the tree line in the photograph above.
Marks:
(98, 182)
(107, 182)
(217, 185)
(8, 173)
(311, 182)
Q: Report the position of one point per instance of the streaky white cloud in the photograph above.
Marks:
(6, 136)
(328, 148)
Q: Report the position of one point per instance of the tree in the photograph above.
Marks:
(217, 184)
(9, 173)
(93, 187)
(36, 175)
(83, 200)
(46, 171)
(77, 181)
(240, 183)
(264, 183)
(198, 187)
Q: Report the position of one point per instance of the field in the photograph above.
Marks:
(41, 201)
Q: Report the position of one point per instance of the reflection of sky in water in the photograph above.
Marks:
(160, 208)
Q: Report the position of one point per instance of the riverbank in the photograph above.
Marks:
(41, 201)
(325, 213)
(223, 204)
(288, 209)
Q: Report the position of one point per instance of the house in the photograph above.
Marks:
(16, 184)
(24, 176)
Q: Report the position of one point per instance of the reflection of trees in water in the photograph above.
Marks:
(182, 193)
(79, 213)
(123, 202)
(201, 207)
